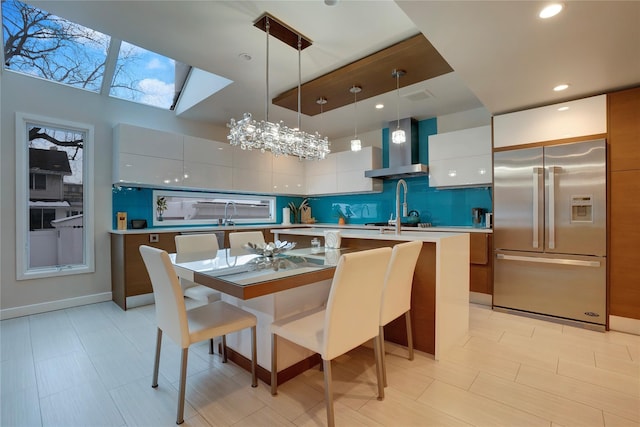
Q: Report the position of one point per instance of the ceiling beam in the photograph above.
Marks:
(373, 73)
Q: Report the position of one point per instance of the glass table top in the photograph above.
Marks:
(243, 269)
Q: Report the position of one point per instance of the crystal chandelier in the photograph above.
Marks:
(398, 136)
(278, 138)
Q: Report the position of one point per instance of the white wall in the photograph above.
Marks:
(464, 120)
(29, 95)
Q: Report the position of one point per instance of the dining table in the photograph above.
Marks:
(244, 275)
(272, 288)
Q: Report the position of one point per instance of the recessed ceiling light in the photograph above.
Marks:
(245, 56)
(561, 87)
(379, 106)
(563, 108)
(550, 10)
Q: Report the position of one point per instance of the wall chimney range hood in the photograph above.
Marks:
(403, 158)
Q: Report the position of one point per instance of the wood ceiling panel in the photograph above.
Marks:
(415, 55)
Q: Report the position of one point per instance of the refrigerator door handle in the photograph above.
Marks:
(537, 172)
(574, 262)
(552, 206)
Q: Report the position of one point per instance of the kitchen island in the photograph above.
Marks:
(440, 294)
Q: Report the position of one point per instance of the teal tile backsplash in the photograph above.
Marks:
(441, 207)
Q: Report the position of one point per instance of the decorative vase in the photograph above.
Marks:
(341, 221)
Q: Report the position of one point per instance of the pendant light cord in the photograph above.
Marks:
(266, 98)
(398, 93)
(355, 110)
(299, 77)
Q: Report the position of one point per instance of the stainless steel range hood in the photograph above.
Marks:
(403, 158)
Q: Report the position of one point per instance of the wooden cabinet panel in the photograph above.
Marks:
(624, 255)
(128, 273)
(479, 248)
(624, 129)
(480, 257)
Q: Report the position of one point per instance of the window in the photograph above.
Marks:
(38, 181)
(191, 208)
(49, 241)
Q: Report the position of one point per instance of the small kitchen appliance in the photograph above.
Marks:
(477, 215)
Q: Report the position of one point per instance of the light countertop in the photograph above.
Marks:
(389, 230)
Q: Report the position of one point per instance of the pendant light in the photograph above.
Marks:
(250, 134)
(356, 144)
(398, 136)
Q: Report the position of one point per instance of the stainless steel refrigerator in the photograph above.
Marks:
(550, 232)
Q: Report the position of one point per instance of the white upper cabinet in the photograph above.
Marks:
(147, 156)
(350, 167)
(321, 176)
(461, 158)
(343, 172)
(288, 175)
(571, 119)
(252, 171)
(207, 164)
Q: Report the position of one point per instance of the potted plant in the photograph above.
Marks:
(161, 206)
(297, 210)
(337, 211)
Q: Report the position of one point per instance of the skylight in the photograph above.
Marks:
(144, 76)
(43, 45)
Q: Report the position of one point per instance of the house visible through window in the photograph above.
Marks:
(54, 205)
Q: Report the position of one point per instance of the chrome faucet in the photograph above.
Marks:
(227, 219)
(404, 205)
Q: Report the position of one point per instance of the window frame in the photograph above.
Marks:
(210, 196)
(23, 271)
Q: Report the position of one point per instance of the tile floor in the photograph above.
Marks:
(91, 366)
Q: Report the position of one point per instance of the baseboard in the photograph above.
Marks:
(26, 310)
(624, 324)
(140, 300)
(480, 298)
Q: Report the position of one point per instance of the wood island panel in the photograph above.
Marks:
(422, 293)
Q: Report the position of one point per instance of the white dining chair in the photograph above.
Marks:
(238, 239)
(350, 318)
(396, 293)
(194, 247)
(187, 327)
